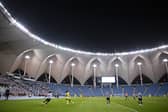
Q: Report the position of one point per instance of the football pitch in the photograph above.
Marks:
(90, 104)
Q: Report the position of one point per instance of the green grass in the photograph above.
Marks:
(95, 104)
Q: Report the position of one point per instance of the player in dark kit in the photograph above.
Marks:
(108, 99)
(139, 98)
(49, 95)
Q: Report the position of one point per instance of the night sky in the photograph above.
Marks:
(94, 26)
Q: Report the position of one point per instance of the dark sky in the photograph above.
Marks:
(94, 26)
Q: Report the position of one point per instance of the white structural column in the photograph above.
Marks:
(72, 73)
(116, 71)
(50, 68)
(140, 72)
(165, 61)
(27, 57)
(94, 75)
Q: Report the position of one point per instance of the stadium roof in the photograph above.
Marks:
(17, 36)
(16, 42)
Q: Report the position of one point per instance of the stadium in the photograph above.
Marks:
(31, 67)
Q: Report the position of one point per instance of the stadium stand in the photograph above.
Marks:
(21, 87)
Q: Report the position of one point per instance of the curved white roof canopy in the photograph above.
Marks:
(31, 35)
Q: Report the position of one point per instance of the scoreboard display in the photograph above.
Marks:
(108, 79)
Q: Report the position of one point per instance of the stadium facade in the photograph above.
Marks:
(21, 49)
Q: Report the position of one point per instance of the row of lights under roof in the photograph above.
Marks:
(165, 60)
(25, 30)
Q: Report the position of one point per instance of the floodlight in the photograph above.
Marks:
(139, 63)
(73, 64)
(94, 65)
(51, 61)
(27, 57)
(165, 60)
(116, 65)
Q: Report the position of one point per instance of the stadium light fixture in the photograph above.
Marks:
(116, 71)
(51, 61)
(116, 65)
(94, 75)
(27, 57)
(72, 73)
(140, 72)
(73, 64)
(94, 65)
(50, 67)
(165, 60)
(139, 63)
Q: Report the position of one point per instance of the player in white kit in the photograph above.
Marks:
(48, 99)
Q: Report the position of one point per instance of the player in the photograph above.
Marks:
(48, 99)
(68, 97)
(134, 96)
(126, 96)
(139, 98)
(7, 92)
(0, 95)
(108, 99)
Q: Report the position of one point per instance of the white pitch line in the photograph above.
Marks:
(133, 110)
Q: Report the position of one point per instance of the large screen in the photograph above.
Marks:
(108, 79)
